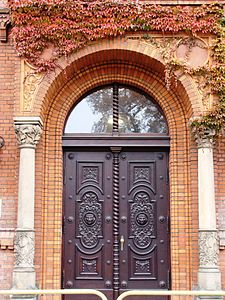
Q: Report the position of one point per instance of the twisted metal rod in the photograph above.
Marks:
(116, 277)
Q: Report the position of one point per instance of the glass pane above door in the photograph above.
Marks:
(92, 114)
(116, 109)
(138, 114)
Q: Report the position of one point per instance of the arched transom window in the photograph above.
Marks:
(116, 109)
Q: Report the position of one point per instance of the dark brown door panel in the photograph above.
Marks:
(116, 212)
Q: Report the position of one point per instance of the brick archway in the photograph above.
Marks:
(57, 95)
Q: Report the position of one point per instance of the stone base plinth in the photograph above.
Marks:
(24, 279)
(209, 279)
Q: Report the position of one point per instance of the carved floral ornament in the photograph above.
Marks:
(24, 249)
(30, 82)
(189, 51)
(185, 54)
(205, 138)
(28, 134)
(208, 248)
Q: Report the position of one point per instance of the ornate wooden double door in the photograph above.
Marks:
(116, 220)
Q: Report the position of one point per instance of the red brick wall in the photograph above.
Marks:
(219, 160)
(9, 89)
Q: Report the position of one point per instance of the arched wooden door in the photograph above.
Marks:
(116, 214)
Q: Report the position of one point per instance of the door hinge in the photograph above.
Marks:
(63, 279)
(168, 279)
(64, 175)
(63, 225)
(167, 175)
(168, 224)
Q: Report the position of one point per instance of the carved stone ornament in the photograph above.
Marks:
(193, 52)
(28, 134)
(24, 249)
(205, 138)
(204, 90)
(4, 22)
(30, 83)
(208, 249)
(166, 46)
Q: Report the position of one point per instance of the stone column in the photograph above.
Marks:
(28, 131)
(209, 276)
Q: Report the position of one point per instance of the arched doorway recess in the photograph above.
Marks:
(60, 92)
(116, 199)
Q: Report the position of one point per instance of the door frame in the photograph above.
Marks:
(85, 141)
(119, 140)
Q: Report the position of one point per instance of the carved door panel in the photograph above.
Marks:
(144, 262)
(87, 249)
(116, 221)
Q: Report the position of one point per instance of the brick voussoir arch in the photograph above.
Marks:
(98, 75)
(132, 52)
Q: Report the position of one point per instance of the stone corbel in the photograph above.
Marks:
(4, 22)
(7, 238)
(222, 239)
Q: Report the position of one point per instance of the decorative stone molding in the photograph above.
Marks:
(28, 134)
(205, 138)
(204, 91)
(30, 81)
(24, 248)
(193, 52)
(28, 131)
(7, 238)
(188, 51)
(181, 55)
(4, 22)
(222, 239)
(166, 46)
(208, 249)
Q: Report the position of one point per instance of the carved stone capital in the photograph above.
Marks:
(24, 248)
(28, 132)
(4, 22)
(204, 137)
(208, 249)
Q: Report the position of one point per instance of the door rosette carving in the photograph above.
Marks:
(142, 220)
(90, 220)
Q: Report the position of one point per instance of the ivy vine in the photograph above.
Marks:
(64, 26)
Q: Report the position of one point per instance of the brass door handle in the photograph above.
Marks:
(121, 242)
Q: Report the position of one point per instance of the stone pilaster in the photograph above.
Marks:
(209, 276)
(28, 133)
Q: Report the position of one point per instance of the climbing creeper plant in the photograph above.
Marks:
(65, 26)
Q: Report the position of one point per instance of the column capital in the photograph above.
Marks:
(204, 137)
(28, 131)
